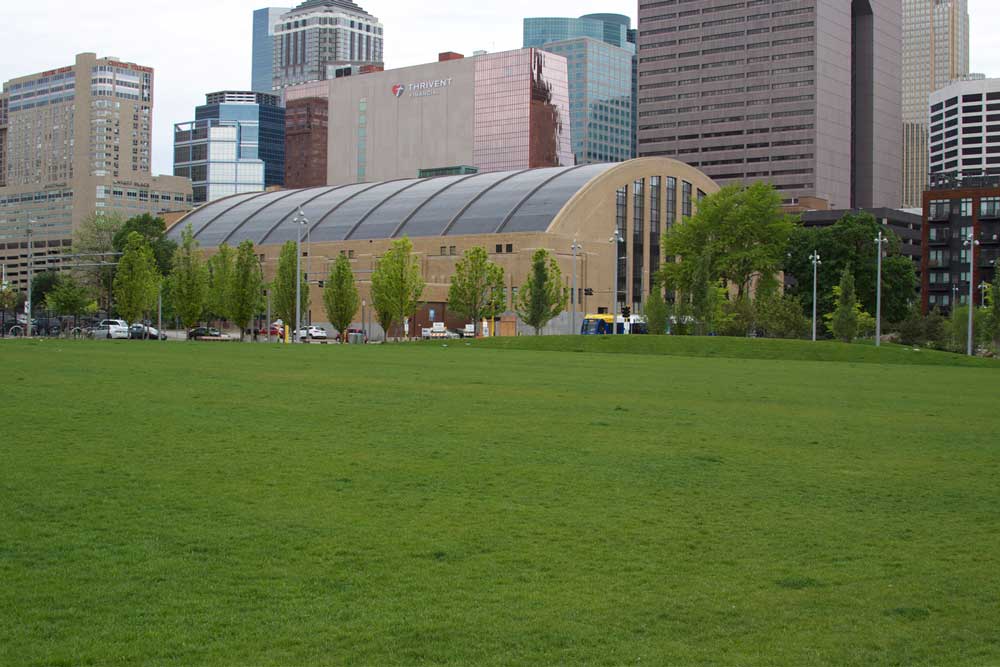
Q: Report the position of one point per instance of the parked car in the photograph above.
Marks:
(144, 331)
(110, 329)
(274, 331)
(205, 332)
(312, 332)
(454, 333)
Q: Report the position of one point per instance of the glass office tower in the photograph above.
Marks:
(601, 64)
(262, 73)
(235, 144)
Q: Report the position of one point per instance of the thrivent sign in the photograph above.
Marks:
(421, 88)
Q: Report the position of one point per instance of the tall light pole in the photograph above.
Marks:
(31, 269)
(614, 241)
(880, 241)
(971, 242)
(299, 220)
(814, 258)
(572, 296)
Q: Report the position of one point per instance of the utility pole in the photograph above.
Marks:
(299, 219)
(814, 258)
(572, 296)
(615, 240)
(31, 268)
(879, 242)
(971, 242)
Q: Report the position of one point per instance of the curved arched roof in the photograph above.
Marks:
(514, 201)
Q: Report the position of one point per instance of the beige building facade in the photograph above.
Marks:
(935, 53)
(510, 214)
(76, 141)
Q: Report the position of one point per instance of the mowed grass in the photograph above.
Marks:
(202, 504)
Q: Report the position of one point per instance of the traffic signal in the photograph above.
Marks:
(626, 312)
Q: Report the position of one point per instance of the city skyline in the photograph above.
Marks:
(51, 32)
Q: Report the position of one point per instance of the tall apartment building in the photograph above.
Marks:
(76, 141)
(965, 128)
(314, 40)
(599, 61)
(935, 53)
(804, 94)
(957, 210)
(262, 65)
(235, 144)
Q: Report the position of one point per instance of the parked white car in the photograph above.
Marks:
(111, 329)
(312, 332)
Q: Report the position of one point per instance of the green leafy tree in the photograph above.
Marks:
(657, 311)
(936, 330)
(742, 234)
(911, 328)
(68, 297)
(477, 289)
(220, 281)
(244, 293)
(154, 230)
(137, 280)
(188, 282)
(397, 284)
(850, 243)
(10, 298)
(991, 320)
(739, 317)
(41, 284)
(94, 238)
(780, 316)
(957, 329)
(340, 296)
(844, 319)
(283, 287)
(543, 297)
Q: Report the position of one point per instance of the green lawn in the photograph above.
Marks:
(203, 504)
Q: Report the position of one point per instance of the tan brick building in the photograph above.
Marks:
(510, 214)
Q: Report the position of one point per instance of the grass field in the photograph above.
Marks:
(197, 504)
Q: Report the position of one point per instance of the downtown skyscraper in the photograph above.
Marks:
(320, 38)
(804, 95)
(935, 53)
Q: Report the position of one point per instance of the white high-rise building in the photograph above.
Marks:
(965, 128)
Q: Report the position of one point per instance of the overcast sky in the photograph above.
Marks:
(201, 46)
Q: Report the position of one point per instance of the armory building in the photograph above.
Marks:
(509, 213)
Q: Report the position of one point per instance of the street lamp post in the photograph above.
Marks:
(615, 240)
(31, 269)
(880, 241)
(970, 242)
(299, 219)
(572, 297)
(814, 258)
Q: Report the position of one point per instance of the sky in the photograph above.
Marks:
(202, 46)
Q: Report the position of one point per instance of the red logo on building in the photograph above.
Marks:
(398, 90)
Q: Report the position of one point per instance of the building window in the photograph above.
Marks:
(965, 208)
(451, 250)
(499, 248)
(621, 248)
(510, 247)
(638, 238)
(444, 250)
(685, 199)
